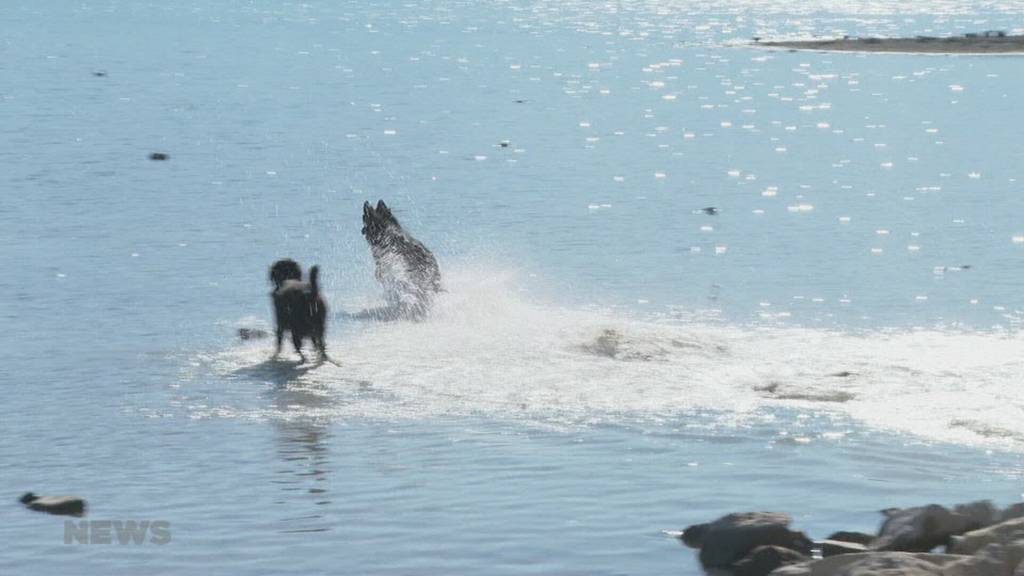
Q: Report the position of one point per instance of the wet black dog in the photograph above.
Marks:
(298, 307)
(404, 266)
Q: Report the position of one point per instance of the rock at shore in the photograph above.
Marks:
(982, 513)
(850, 536)
(729, 539)
(889, 564)
(63, 505)
(923, 528)
(1011, 512)
(764, 559)
(837, 547)
(979, 542)
(992, 560)
(1002, 533)
(803, 569)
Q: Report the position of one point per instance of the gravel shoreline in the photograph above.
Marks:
(987, 43)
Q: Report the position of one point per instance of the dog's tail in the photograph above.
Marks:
(314, 280)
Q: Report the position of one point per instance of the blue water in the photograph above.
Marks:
(867, 222)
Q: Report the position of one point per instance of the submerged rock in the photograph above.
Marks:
(728, 539)
(780, 391)
(613, 344)
(252, 333)
(64, 505)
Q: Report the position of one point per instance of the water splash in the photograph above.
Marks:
(488, 350)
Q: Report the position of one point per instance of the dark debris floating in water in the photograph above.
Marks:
(252, 334)
(159, 156)
(62, 505)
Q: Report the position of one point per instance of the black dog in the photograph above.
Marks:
(404, 266)
(298, 306)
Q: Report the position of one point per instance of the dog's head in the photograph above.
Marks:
(285, 269)
(377, 220)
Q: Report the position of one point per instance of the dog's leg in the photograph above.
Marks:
(297, 342)
(318, 342)
(279, 336)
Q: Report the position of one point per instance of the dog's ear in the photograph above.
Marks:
(384, 213)
(367, 209)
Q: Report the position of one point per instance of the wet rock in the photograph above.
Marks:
(874, 563)
(252, 333)
(613, 344)
(921, 528)
(780, 391)
(888, 564)
(1002, 533)
(982, 513)
(693, 536)
(731, 537)
(849, 536)
(764, 559)
(64, 505)
(837, 547)
(992, 560)
(607, 344)
(803, 569)
(159, 156)
(1011, 512)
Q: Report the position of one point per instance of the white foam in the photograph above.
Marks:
(486, 350)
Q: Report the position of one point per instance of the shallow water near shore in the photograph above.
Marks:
(610, 360)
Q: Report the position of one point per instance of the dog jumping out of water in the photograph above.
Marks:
(298, 306)
(405, 267)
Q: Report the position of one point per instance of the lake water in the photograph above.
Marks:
(609, 360)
